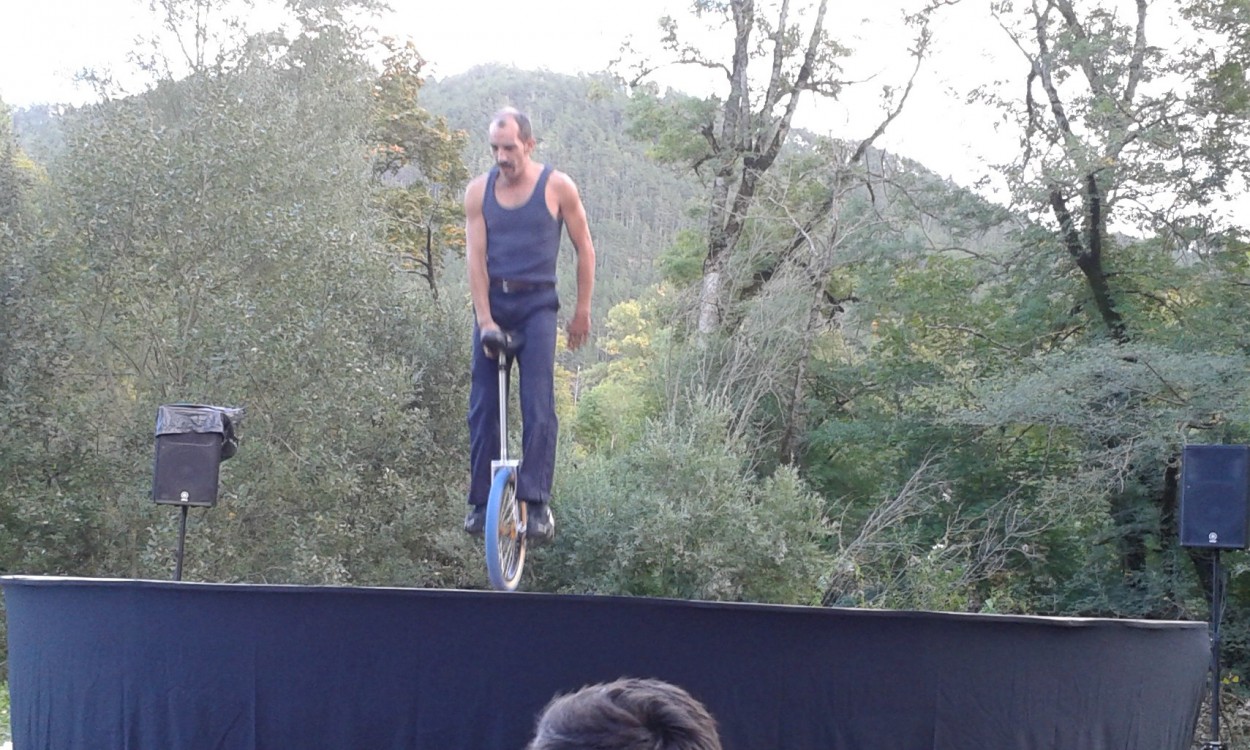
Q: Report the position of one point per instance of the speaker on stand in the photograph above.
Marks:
(191, 442)
(1215, 490)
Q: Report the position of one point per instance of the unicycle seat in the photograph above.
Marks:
(497, 341)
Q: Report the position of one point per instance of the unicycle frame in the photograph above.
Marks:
(503, 461)
(505, 514)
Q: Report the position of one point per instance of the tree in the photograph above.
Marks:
(420, 157)
(735, 140)
(10, 182)
(679, 513)
(204, 244)
(1118, 134)
(779, 213)
(742, 135)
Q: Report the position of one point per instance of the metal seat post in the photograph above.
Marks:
(504, 361)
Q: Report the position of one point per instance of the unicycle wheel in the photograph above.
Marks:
(505, 532)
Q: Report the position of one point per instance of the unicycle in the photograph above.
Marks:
(505, 515)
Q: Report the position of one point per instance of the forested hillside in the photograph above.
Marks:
(820, 375)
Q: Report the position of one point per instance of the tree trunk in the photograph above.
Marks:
(709, 302)
(794, 417)
(747, 143)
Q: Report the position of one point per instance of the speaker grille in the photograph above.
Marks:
(1215, 488)
(186, 469)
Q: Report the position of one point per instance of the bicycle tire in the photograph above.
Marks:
(505, 540)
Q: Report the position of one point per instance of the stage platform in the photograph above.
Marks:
(103, 664)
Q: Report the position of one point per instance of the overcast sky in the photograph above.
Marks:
(43, 43)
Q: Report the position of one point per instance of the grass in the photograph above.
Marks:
(4, 712)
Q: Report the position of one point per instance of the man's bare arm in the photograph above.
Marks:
(475, 252)
(574, 215)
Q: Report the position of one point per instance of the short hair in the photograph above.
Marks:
(525, 131)
(628, 714)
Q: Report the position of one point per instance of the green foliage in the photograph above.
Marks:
(10, 184)
(38, 132)
(5, 732)
(618, 397)
(682, 263)
(672, 125)
(210, 247)
(608, 415)
(1105, 393)
(678, 514)
(1217, 65)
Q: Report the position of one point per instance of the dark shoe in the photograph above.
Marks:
(475, 522)
(540, 525)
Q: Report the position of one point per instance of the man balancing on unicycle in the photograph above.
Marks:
(513, 219)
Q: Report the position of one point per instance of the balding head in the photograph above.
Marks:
(525, 131)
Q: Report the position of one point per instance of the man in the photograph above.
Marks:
(513, 219)
(629, 714)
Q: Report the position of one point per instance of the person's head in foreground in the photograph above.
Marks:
(628, 714)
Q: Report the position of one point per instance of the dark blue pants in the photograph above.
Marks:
(532, 314)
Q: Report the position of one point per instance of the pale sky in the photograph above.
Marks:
(44, 42)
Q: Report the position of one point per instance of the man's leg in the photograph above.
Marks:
(483, 431)
(538, 418)
(538, 409)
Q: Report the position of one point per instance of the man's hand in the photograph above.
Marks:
(483, 334)
(579, 330)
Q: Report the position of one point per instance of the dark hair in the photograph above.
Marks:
(628, 714)
(525, 131)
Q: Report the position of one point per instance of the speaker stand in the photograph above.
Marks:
(1217, 610)
(182, 538)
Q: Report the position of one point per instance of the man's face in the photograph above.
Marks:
(510, 152)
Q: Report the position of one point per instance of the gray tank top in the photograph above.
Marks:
(521, 243)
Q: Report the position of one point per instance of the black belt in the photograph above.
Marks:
(509, 286)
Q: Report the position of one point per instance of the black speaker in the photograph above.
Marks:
(187, 468)
(1215, 490)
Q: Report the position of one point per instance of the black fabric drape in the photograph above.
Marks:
(102, 664)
